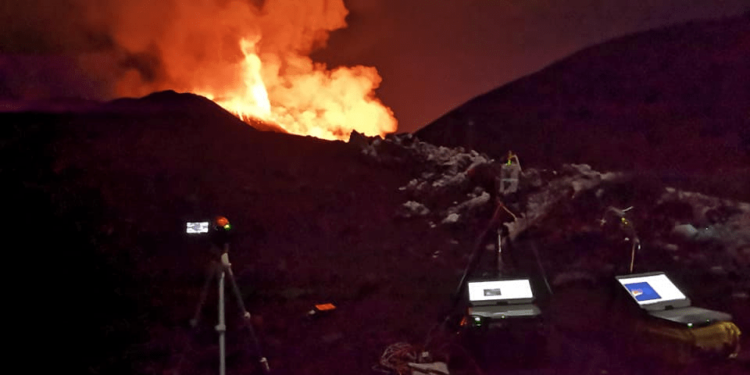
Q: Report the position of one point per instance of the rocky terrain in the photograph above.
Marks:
(381, 228)
(673, 101)
(98, 194)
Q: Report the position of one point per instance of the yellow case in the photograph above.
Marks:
(683, 345)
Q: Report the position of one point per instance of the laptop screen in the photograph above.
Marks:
(199, 227)
(651, 289)
(500, 290)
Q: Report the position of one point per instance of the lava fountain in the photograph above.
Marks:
(252, 57)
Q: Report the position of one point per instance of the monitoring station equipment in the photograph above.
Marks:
(674, 330)
(499, 299)
(502, 312)
(656, 294)
(200, 227)
(218, 232)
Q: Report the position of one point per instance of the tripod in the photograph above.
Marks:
(220, 269)
(629, 229)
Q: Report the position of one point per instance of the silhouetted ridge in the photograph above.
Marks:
(165, 101)
(673, 99)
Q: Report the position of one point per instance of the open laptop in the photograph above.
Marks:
(500, 299)
(659, 297)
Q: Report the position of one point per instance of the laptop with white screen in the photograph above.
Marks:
(656, 294)
(501, 298)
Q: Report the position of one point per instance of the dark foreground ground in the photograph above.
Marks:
(101, 201)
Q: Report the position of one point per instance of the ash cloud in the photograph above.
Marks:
(107, 48)
(66, 48)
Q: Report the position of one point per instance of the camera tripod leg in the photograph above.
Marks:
(222, 327)
(246, 316)
(204, 294)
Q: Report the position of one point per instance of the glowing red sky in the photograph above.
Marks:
(435, 55)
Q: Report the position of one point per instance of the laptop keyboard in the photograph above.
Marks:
(684, 312)
(695, 315)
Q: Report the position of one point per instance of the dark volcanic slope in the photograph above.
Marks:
(101, 198)
(675, 99)
(99, 202)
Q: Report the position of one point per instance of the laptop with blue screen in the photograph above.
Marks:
(655, 293)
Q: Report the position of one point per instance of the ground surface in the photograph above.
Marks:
(315, 222)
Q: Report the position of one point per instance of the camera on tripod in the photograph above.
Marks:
(217, 230)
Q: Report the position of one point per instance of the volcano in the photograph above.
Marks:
(380, 228)
(114, 186)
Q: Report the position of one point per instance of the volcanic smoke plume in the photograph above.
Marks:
(249, 56)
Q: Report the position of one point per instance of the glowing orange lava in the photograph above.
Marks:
(250, 57)
(303, 97)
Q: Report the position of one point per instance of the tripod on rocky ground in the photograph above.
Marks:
(220, 269)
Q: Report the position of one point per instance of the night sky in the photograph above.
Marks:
(436, 55)
(433, 55)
